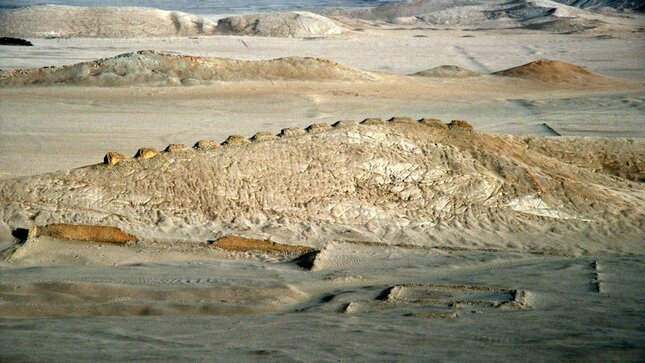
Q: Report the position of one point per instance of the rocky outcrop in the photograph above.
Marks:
(146, 153)
(112, 158)
(291, 131)
(15, 41)
(263, 136)
(373, 121)
(344, 124)
(175, 148)
(433, 122)
(235, 140)
(206, 145)
(314, 128)
(460, 125)
(403, 181)
(403, 120)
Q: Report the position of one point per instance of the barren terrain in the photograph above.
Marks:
(444, 181)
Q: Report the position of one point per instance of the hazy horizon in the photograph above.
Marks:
(208, 6)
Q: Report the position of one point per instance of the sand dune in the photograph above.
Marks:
(154, 68)
(401, 182)
(58, 21)
(296, 24)
(552, 71)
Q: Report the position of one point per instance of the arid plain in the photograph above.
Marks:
(289, 232)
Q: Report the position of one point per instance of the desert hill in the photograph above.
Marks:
(636, 5)
(295, 24)
(551, 71)
(402, 182)
(542, 15)
(155, 68)
(57, 21)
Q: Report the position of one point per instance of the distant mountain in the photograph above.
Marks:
(638, 5)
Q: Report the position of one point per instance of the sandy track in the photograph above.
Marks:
(187, 114)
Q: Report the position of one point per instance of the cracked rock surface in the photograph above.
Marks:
(397, 183)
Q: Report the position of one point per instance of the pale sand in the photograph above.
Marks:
(532, 252)
(340, 302)
(30, 145)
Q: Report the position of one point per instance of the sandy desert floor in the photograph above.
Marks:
(332, 312)
(547, 266)
(38, 125)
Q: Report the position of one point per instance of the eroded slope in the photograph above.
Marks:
(405, 182)
(56, 21)
(148, 67)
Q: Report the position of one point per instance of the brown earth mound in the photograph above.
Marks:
(243, 244)
(551, 71)
(83, 233)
